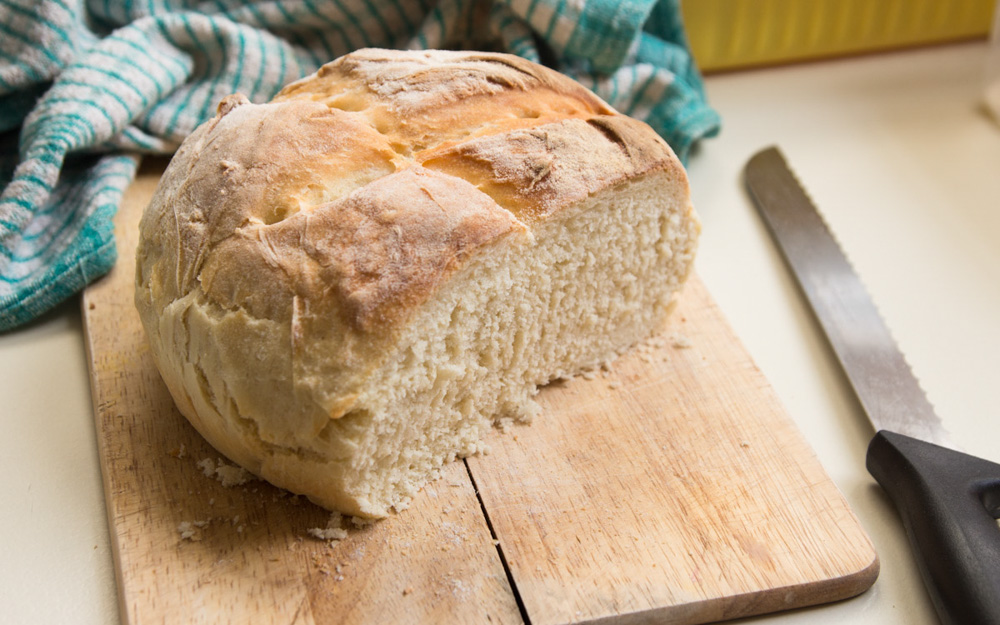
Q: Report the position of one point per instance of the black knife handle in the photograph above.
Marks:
(949, 503)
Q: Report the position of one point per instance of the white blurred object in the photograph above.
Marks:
(992, 90)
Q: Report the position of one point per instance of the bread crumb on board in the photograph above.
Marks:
(679, 341)
(228, 474)
(186, 530)
(656, 343)
(334, 531)
(331, 534)
(189, 530)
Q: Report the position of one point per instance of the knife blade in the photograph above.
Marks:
(948, 501)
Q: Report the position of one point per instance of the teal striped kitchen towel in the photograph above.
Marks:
(86, 88)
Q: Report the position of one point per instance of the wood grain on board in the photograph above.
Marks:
(670, 488)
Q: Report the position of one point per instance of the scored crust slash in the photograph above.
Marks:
(344, 288)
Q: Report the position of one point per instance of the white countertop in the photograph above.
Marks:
(901, 158)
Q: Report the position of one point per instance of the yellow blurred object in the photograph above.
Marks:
(731, 34)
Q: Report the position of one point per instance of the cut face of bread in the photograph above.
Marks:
(344, 289)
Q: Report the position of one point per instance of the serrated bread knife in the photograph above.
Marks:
(948, 501)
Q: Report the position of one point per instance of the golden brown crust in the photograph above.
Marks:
(419, 100)
(251, 165)
(373, 254)
(359, 189)
(535, 171)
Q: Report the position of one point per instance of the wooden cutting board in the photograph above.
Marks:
(671, 489)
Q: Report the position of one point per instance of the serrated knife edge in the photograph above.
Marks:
(882, 378)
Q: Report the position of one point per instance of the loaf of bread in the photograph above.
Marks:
(346, 287)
